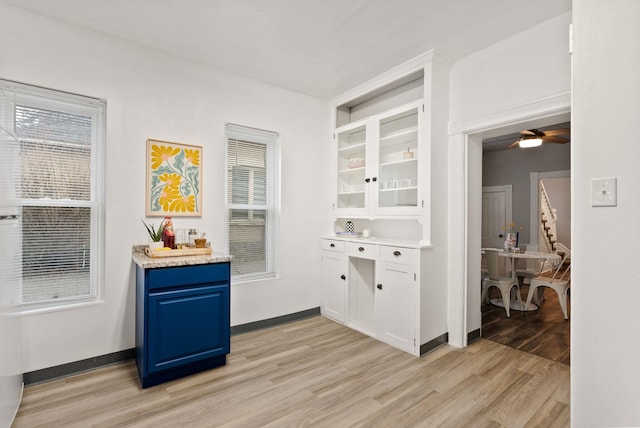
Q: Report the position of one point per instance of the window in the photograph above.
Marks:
(59, 191)
(252, 183)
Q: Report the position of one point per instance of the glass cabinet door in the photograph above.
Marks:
(352, 150)
(398, 160)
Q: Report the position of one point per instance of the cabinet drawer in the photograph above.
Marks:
(187, 275)
(333, 245)
(407, 256)
(363, 251)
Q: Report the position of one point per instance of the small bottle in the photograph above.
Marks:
(192, 237)
(169, 236)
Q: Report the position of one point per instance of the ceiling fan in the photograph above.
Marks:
(534, 138)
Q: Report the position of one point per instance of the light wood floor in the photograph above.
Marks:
(316, 372)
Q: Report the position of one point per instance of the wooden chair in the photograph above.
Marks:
(496, 279)
(560, 285)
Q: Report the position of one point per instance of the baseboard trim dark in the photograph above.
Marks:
(472, 336)
(431, 345)
(271, 322)
(77, 367)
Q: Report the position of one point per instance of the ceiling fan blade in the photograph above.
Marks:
(558, 140)
(527, 132)
(553, 132)
(514, 144)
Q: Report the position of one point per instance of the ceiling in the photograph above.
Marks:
(503, 141)
(321, 48)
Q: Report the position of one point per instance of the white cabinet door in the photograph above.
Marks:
(352, 165)
(396, 301)
(399, 149)
(377, 171)
(334, 283)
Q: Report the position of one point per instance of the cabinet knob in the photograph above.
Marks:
(332, 245)
(397, 253)
(366, 180)
(379, 286)
(361, 249)
(374, 179)
(343, 277)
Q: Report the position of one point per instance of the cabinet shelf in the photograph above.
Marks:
(355, 192)
(397, 189)
(399, 162)
(352, 147)
(351, 170)
(402, 135)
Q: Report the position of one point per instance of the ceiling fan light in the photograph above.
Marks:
(526, 143)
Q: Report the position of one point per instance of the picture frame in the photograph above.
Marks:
(173, 179)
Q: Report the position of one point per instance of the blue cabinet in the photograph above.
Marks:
(182, 320)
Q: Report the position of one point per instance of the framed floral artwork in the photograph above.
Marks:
(174, 179)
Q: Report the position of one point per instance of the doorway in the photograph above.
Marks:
(543, 332)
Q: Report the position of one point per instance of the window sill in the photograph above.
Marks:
(240, 281)
(36, 309)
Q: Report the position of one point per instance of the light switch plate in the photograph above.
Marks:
(604, 192)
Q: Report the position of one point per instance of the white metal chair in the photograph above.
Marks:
(496, 279)
(560, 285)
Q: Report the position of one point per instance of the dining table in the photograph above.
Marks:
(514, 256)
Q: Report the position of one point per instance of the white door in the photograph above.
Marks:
(395, 302)
(496, 212)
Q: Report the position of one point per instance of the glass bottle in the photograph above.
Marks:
(192, 237)
(169, 236)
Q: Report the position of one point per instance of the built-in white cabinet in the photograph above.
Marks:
(382, 179)
(397, 286)
(334, 280)
(374, 289)
(377, 164)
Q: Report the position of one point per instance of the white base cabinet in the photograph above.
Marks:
(374, 288)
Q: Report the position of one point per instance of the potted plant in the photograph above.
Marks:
(155, 235)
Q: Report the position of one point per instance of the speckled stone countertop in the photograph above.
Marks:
(146, 262)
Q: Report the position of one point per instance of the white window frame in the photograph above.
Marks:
(271, 140)
(14, 93)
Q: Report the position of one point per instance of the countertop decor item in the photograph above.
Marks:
(174, 179)
(154, 234)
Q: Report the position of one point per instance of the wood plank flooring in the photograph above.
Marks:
(316, 372)
(544, 332)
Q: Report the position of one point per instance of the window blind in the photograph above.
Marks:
(56, 192)
(59, 135)
(251, 196)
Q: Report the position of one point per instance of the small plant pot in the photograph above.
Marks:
(153, 246)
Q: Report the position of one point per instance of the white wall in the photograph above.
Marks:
(605, 378)
(501, 167)
(152, 95)
(496, 87)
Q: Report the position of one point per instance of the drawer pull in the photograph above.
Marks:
(379, 286)
(361, 249)
(333, 245)
(343, 277)
(397, 253)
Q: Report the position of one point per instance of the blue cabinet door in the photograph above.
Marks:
(186, 326)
